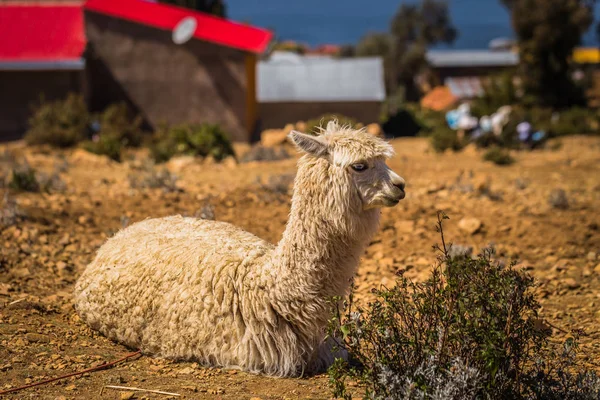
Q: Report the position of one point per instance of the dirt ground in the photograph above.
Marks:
(48, 247)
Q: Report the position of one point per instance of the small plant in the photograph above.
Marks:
(9, 212)
(575, 121)
(315, 125)
(115, 130)
(105, 144)
(151, 177)
(115, 121)
(262, 153)
(60, 123)
(470, 331)
(444, 138)
(498, 156)
(498, 91)
(191, 139)
(23, 178)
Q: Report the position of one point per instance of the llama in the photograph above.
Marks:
(192, 289)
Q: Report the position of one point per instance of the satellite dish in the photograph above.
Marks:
(184, 30)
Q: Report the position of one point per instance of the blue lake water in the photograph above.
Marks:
(346, 21)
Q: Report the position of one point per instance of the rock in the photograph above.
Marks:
(375, 130)
(558, 199)
(179, 163)
(273, 137)
(230, 162)
(187, 370)
(597, 269)
(21, 272)
(84, 219)
(470, 225)
(571, 283)
(434, 188)
(521, 184)
(482, 183)
(81, 156)
(591, 256)
(127, 396)
(4, 289)
(37, 338)
(70, 387)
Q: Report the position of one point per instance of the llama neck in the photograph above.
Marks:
(326, 233)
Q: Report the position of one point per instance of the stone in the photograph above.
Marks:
(597, 269)
(482, 183)
(591, 256)
(37, 338)
(558, 199)
(470, 225)
(4, 289)
(127, 396)
(70, 388)
(180, 163)
(187, 370)
(571, 283)
(230, 162)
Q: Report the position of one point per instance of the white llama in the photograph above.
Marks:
(191, 289)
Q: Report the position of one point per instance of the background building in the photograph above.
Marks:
(293, 87)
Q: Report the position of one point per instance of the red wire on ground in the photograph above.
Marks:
(93, 369)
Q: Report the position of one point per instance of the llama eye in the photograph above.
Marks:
(359, 167)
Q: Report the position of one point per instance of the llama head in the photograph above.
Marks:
(360, 158)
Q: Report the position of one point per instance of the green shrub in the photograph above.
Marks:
(60, 123)
(498, 156)
(105, 144)
(574, 121)
(115, 121)
(404, 122)
(498, 91)
(470, 331)
(444, 138)
(23, 178)
(193, 139)
(314, 125)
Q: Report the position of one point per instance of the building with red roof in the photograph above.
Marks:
(41, 54)
(169, 64)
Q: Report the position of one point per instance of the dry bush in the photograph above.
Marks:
(470, 331)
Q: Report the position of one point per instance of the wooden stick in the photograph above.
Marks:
(93, 369)
(134, 389)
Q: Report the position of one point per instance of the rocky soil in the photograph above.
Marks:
(543, 210)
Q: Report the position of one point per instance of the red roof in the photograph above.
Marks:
(166, 17)
(41, 32)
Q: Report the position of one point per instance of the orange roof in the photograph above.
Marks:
(439, 99)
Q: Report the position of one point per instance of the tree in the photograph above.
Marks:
(547, 32)
(414, 28)
(215, 7)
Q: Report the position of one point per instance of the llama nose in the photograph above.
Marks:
(399, 183)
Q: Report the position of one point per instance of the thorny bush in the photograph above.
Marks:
(470, 331)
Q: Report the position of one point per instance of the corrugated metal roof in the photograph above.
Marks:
(472, 58)
(289, 77)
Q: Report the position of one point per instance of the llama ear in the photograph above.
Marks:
(314, 145)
